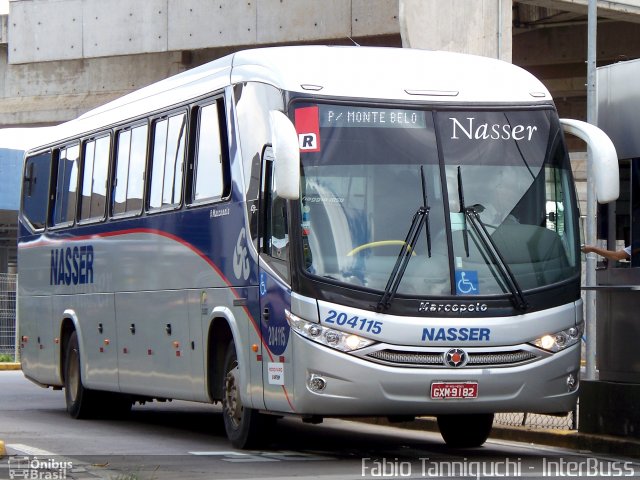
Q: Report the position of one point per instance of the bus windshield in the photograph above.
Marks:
(496, 184)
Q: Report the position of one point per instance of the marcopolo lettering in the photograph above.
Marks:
(452, 307)
(486, 131)
(456, 334)
(72, 265)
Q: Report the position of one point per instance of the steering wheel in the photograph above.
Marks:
(379, 243)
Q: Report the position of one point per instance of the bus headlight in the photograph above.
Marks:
(558, 341)
(342, 341)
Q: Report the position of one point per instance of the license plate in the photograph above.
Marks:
(448, 390)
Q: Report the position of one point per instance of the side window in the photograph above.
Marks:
(65, 194)
(93, 191)
(211, 169)
(35, 189)
(130, 168)
(167, 163)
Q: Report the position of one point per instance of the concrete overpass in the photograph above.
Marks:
(59, 58)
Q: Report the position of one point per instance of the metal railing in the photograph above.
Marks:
(8, 282)
(538, 421)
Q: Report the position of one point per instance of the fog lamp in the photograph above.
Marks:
(317, 383)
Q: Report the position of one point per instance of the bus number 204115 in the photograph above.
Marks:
(355, 322)
(277, 337)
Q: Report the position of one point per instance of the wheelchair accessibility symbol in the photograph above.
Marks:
(467, 282)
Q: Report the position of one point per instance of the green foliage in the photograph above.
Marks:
(6, 358)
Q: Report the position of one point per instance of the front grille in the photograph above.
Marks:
(436, 359)
(414, 358)
(502, 358)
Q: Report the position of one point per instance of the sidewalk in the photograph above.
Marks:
(569, 439)
(9, 366)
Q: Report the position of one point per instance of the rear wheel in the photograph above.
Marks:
(465, 431)
(81, 402)
(245, 426)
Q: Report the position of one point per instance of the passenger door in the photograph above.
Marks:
(275, 292)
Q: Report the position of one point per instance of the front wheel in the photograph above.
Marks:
(245, 426)
(465, 431)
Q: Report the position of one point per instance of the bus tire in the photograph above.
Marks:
(465, 430)
(81, 402)
(243, 425)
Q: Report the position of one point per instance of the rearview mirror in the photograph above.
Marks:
(604, 157)
(286, 152)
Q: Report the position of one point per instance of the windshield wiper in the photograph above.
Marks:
(420, 218)
(465, 231)
(472, 214)
(418, 221)
(427, 207)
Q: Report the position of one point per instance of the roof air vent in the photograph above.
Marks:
(434, 93)
(308, 86)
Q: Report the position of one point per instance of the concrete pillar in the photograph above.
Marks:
(480, 27)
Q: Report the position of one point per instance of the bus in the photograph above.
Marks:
(311, 231)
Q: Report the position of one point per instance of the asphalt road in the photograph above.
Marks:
(181, 440)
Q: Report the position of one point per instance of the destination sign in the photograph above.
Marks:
(365, 117)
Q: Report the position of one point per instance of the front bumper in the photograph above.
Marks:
(355, 386)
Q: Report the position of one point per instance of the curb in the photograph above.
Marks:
(569, 439)
(10, 366)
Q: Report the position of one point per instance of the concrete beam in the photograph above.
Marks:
(568, 45)
(85, 28)
(628, 10)
(140, 26)
(433, 24)
(566, 87)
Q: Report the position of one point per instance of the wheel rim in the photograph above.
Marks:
(232, 403)
(73, 375)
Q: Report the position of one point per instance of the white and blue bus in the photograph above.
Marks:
(311, 231)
